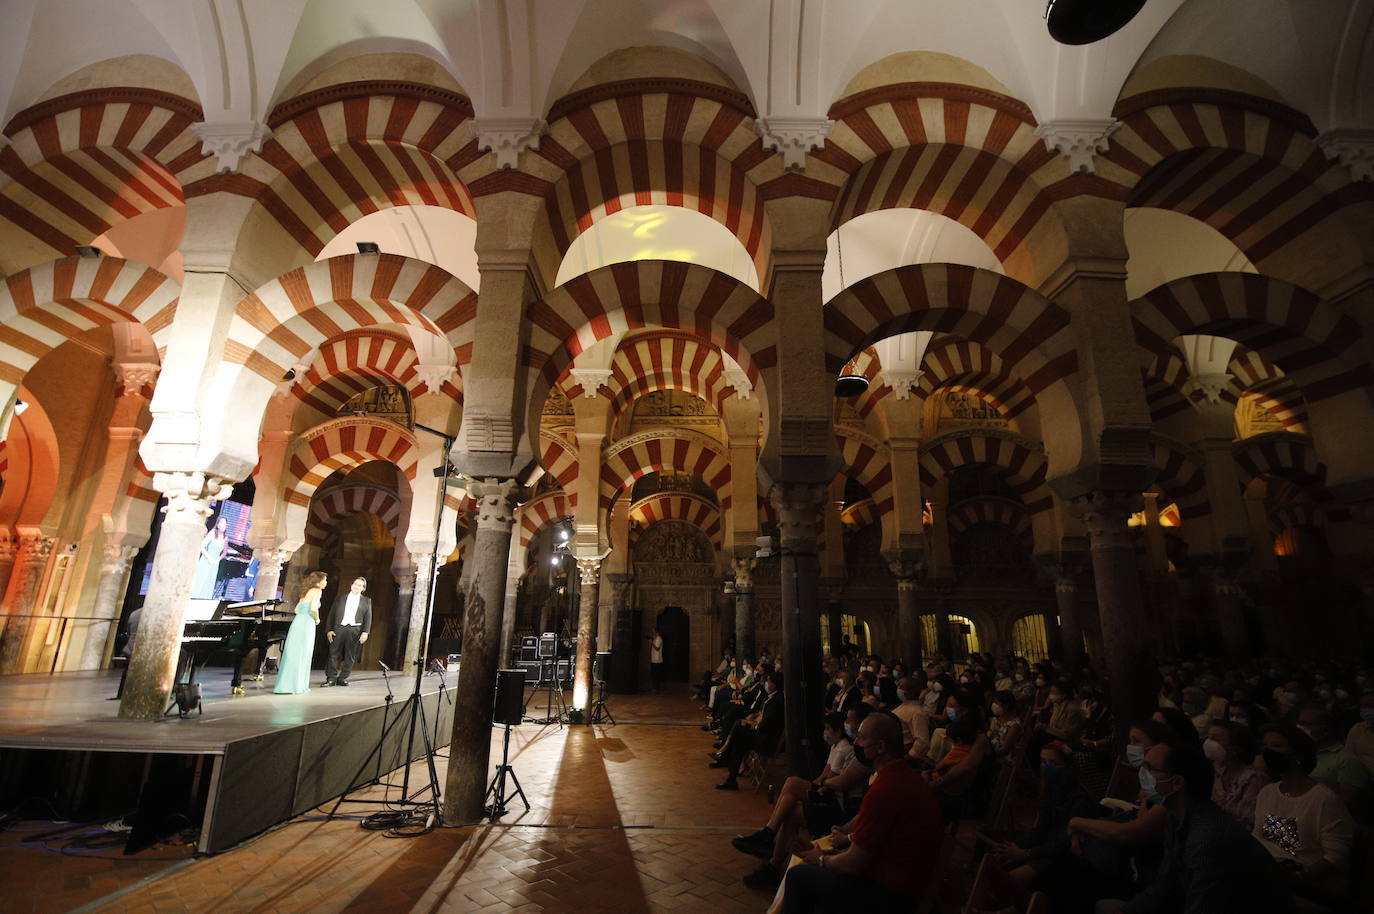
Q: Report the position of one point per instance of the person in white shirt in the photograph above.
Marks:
(350, 619)
(915, 720)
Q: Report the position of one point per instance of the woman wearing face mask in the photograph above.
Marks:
(1004, 729)
(1302, 823)
(1147, 828)
(915, 720)
(1023, 686)
(1230, 748)
(932, 695)
(955, 777)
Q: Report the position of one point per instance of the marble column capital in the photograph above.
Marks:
(744, 572)
(189, 494)
(905, 567)
(588, 567)
(1104, 515)
(271, 559)
(797, 504)
(496, 500)
(35, 547)
(116, 558)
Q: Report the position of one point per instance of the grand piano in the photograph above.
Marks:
(233, 629)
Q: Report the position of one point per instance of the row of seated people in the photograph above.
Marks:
(1269, 739)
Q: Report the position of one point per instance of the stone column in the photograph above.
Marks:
(270, 562)
(1070, 626)
(725, 615)
(905, 569)
(109, 600)
(944, 629)
(1125, 640)
(34, 551)
(620, 601)
(398, 650)
(470, 753)
(744, 607)
(1228, 598)
(423, 563)
(9, 550)
(803, 691)
(588, 573)
(153, 667)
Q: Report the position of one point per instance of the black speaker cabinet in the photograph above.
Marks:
(601, 662)
(625, 645)
(510, 697)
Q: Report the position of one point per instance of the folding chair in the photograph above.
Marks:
(1039, 904)
(981, 880)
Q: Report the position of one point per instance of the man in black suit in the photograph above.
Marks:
(350, 619)
(760, 730)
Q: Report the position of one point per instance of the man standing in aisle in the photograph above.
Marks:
(350, 619)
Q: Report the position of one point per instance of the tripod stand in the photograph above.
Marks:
(552, 686)
(496, 791)
(601, 713)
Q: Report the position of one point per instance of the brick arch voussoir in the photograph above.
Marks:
(538, 513)
(1021, 459)
(650, 452)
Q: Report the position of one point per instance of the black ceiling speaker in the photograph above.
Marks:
(1086, 21)
(850, 385)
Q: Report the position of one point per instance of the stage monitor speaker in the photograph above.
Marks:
(601, 662)
(510, 697)
(529, 653)
(548, 645)
(625, 645)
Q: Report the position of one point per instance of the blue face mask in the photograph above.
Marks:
(849, 730)
(952, 713)
(1051, 773)
(1135, 756)
(1147, 786)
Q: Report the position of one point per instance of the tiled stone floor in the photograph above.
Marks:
(623, 819)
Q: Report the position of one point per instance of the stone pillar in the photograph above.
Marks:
(270, 562)
(834, 614)
(1054, 640)
(1228, 598)
(515, 570)
(423, 563)
(397, 650)
(588, 573)
(725, 614)
(153, 667)
(109, 600)
(469, 755)
(9, 550)
(803, 689)
(744, 607)
(34, 551)
(1125, 640)
(905, 569)
(1070, 626)
(620, 601)
(944, 630)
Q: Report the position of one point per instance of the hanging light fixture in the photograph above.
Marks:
(850, 384)
(1086, 21)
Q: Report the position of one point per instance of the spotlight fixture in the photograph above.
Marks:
(290, 375)
(369, 248)
(19, 407)
(850, 385)
(1086, 21)
(87, 251)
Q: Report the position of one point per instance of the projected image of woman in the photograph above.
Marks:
(212, 549)
(293, 673)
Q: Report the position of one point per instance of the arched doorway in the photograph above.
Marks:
(676, 628)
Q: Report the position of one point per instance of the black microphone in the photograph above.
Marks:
(384, 667)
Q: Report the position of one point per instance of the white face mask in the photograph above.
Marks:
(997, 708)
(1214, 750)
(901, 695)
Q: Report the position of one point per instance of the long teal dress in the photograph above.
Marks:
(293, 673)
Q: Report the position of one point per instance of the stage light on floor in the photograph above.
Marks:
(1086, 21)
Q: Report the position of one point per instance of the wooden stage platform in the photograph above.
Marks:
(246, 764)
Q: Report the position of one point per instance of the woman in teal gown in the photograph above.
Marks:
(293, 673)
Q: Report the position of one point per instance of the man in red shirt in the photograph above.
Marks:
(894, 843)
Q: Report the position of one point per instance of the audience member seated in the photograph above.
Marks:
(1302, 823)
(1061, 719)
(1181, 724)
(893, 845)
(831, 799)
(915, 720)
(1209, 863)
(717, 676)
(1336, 767)
(1097, 719)
(955, 777)
(846, 695)
(760, 730)
(1004, 727)
(1231, 749)
(1359, 741)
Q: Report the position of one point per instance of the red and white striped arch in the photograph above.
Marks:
(356, 362)
(1026, 330)
(342, 444)
(868, 461)
(1247, 166)
(860, 514)
(350, 150)
(276, 325)
(538, 513)
(43, 307)
(1181, 476)
(681, 506)
(1254, 375)
(667, 141)
(664, 360)
(81, 163)
(1164, 376)
(1313, 343)
(558, 457)
(682, 450)
(965, 365)
(1021, 459)
(346, 500)
(612, 300)
(1280, 454)
(989, 511)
